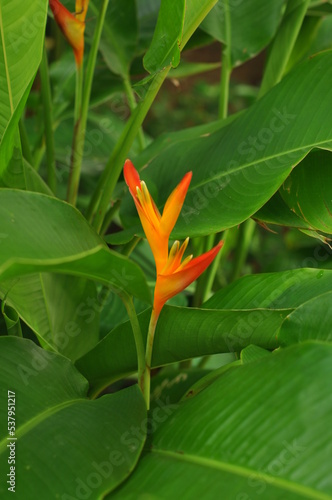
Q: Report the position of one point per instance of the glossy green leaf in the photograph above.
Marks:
(288, 289)
(67, 446)
(312, 320)
(165, 46)
(253, 24)
(238, 168)
(63, 311)
(21, 43)
(250, 311)
(119, 38)
(45, 234)
(253, 432)
(308, 193)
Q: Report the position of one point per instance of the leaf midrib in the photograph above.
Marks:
(283, 484)
(35, 421)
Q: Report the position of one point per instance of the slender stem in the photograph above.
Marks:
(109, 216)
(78, 93)
(25, 142)
(142, 379)
(211, 272)
(48, 121)
(246, 232)
(133, 105)
(107, 182)
(201, 282)
(226, 65)
(130, 246)
(80, 125)
(148, 356)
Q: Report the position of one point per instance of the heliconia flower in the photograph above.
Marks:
(173, 274)
(72, 26)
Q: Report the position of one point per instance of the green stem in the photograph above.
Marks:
(246, 232)
(226, 65)
(26, 151)
(80, 125)
(48, 121)
(142, 379)
(109, 216)
(146, 376)
(130, 246)
(107, 182)
(201, 282)
(78, 93)
(133, 105)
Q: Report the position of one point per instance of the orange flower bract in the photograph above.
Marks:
(173, 274)
(72, 26)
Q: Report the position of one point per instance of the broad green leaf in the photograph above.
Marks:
(119, 38)
(252, 25)
(308, 193)
(43, 234)
(261, 429)
(250, 311)
(238, 168)
(165, 46)
(283, 44)
(21, 43)
(288, 289)
(67, 446)
(182, 333)
(311, 321)
(63, 311)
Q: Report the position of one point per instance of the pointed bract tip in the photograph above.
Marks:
(131, 177)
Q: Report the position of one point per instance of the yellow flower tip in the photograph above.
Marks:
(71, 27)
(81, 9)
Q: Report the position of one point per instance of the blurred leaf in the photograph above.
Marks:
(54, 415)
(186, 69)
(253, 25)
(308, 193)
(41, 233)
(311, 321)
(253, 431)
(119, 38)
(283, 43)
(165, 46)
(238, 168)
(12, 320)
(63, 311)
(250, 311)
